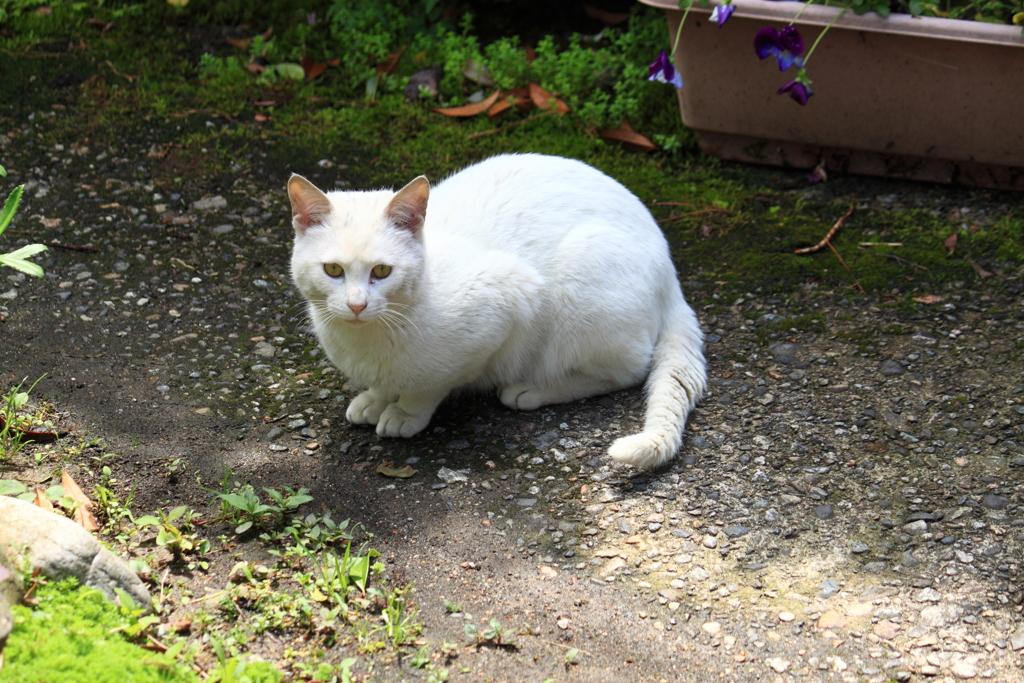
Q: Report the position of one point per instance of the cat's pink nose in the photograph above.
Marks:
(357, 308)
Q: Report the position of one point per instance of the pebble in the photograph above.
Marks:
(828, 588)
(710, 542)
(892, 368)
(995, 502)
(526, 502)
(450, 476)
(786, 617)
(964, 669)
(823, 512)
(712, 627)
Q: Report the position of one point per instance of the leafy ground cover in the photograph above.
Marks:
(120, 117)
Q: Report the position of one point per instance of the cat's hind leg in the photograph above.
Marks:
(576, 385)
(367, 407)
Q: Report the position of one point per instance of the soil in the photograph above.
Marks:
(848, 505)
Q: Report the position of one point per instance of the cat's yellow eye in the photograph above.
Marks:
(380, 271)
(334, 269)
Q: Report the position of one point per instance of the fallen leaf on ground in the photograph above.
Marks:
(389, 470)
(929, 299)
(517, 98)
(628, 137)
(950, 243)
(471, 109)
(312, 69)
(41, 501)
(390, 62)
(546, 101)
(82, 513)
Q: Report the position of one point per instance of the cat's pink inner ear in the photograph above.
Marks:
(408, 208)
(310, 206)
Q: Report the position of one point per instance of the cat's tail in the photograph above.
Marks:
(677, 381)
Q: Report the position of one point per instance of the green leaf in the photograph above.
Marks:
(146, 520)
(10, 206)
(234, 500)
(24, 266)
(10, 487)
(243, 527)
(176, 512)
(360, 572)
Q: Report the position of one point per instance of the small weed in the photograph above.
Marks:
(177, 536)
(492, 634)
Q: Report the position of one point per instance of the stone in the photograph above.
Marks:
(939, 616)
(892, 368)
(215, 203)
(916, 528)
(736, 531)
(1017, 639)
(831, 619)
(698, 574)
(823, 512)
(828, 588)
(609, 496)
(450, 476)
(59, 548)
(710, 542)
(963, 669)
(885, 629)
(778, 664)
(875, 567)
(995, 502)
(712, 627)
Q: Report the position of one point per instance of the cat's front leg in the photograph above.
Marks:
(408, 415)
(366, 408)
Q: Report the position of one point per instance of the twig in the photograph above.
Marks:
(881, 244)
(835, 228)
(183, 264)
(695, 213)
(899, 258)
(855, 280)
(70, 247)
(511, 125)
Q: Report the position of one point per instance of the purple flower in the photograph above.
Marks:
(663, 71)
(798, 90)
(312, 18)
(721, 13)
(784, 45)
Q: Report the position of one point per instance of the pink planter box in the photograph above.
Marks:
(921, 98)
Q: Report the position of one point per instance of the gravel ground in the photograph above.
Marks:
(848, 506)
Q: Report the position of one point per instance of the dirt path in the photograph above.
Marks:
(848, 506)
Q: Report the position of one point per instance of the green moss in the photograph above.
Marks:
(69, 637)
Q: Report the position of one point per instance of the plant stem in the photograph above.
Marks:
(823, 32)
(679, 31)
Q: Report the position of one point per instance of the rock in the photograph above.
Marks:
(736, 531)
(831, 619)
(964, 669)
(265, 350)
(710, 542)
(526, 502)
(11, 590)
(875, 567)
(1017, 639)
(698, 574)
(423, 83)
(450, 476)
(916, 528)
(892, 368)
(215, 203)
(778, 664)
(609, 496)
(995, 502)
(938, 616)
(712, 627)
(786, 617)
(59, 549)
(787, 349)
(612, 566)
(828, 588)
(823, 512)
(885, 629)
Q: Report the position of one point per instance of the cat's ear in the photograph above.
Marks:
(310, 206)
(408, 208)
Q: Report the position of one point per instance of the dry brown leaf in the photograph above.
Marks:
(41, 501)
(390, 62)
(605, 17)
(629, 138)
(546, 101)
(312, 69)
(389, 470)
(82, 513)
(240, 43)
(950, 243)
(531, 54)
(471, 109)
(517, 98)
(929, 299)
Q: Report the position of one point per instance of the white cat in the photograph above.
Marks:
(535, 275)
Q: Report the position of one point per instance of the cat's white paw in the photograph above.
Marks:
(396, 422)
(522, 397)
(366, 408)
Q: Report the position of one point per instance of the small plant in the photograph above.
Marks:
(11, 418)
(18, 259)
(492, 634)
(247, 509)
(174, 535)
